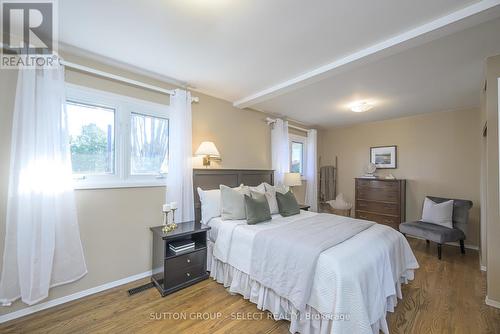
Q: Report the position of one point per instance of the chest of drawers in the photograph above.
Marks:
(382, 201)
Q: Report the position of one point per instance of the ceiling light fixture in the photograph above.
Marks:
(361, 106)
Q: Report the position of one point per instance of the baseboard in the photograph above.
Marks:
(483, 268)
(492, 302)
(448, 243)
(58, 301)
(466, 246)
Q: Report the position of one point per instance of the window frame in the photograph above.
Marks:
(294, 138)
(124, 107)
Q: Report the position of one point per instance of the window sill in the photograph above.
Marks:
(118, 185)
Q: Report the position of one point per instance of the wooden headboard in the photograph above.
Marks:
(208, 179)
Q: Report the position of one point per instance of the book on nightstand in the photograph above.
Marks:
(181, 246)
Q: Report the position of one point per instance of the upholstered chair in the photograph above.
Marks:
(440, 234)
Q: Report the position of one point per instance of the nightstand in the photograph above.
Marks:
(171, 271)
(304, 207)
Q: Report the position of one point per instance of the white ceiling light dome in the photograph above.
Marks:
(361, 106)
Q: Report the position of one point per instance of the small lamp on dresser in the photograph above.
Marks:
(292, 180)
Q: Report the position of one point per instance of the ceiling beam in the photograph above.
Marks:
(391, 43)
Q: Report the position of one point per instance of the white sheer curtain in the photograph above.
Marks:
(312, 170)
(42, 242)
(280, 150)
(180, 169)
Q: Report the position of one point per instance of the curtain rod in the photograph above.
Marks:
(121, 79)
(271, 121)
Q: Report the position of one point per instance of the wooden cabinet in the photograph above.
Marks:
(381, 201)
(174, 271)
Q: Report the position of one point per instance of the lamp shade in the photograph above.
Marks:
(208, 148)
(292, 180)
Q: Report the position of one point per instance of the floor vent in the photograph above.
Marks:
(141, 288)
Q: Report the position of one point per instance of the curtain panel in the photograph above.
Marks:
(280, 150)
(180, 169)
(312, 170)
(42, 243)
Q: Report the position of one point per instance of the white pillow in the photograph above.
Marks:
(261, 188)
(210, 204)
(271, 196)
(438, 213)
(233, 202)
(271, 200)
(279, 188)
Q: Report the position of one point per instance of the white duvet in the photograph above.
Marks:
(357, 279)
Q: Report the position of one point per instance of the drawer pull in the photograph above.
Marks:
(363, 217)
(188, 260)
(188, 274)
(389, 221)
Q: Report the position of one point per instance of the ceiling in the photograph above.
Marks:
(238, 50)
(446, 74)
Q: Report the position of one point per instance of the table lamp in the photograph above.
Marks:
(292, 180)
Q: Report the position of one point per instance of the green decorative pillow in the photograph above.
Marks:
(257, 209)
(287, 204)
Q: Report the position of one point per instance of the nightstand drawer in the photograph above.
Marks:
(178, 275)
(186, 260)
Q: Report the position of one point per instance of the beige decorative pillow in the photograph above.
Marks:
(233, 202)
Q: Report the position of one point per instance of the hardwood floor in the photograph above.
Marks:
(446, 297)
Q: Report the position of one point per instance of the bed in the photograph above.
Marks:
(353, 284)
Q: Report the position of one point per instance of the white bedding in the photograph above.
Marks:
(214, 223)
(359, 277)
(295, 248)
(236, 248)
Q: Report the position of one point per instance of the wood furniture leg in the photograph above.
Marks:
(462, 246)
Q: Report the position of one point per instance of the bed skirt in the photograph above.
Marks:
(309, 322)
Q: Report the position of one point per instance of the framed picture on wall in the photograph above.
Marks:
(384, 157)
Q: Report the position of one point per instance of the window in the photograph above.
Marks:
(297, 153)
(297, 156)
(149, 145)
(116, 141)
(91, 137)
